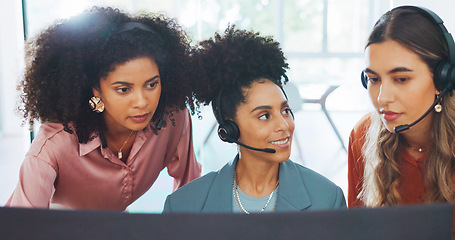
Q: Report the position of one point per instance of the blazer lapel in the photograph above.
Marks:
(292, 194)
(219, 198)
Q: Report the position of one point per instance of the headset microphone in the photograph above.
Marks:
(159, 124)
(401, 128)
(225, 137)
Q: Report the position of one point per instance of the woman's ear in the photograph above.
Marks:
(96, 92)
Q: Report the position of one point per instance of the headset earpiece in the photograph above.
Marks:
(364, 79)
(228, 131)
(443, 75)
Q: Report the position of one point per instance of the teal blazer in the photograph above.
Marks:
(300, 189)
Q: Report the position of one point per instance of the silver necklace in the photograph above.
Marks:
(235, 190)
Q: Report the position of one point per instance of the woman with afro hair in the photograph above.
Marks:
(242, 74)
(110, 90)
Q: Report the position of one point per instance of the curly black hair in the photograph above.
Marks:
(69, 58)
(231, 63)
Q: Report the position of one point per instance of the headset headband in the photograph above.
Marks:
(218, 107)
(438, 21)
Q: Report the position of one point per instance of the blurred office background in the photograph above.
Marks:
(323, 41)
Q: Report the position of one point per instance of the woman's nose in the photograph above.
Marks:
(282, 123)
(386, 93)
(140, 100)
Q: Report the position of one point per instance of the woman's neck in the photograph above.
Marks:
(418, 140)
(418, 137)
(121, 143)
(257, 178)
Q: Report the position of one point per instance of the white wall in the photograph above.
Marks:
(11, 63)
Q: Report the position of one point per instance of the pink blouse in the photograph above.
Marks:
(58, 169)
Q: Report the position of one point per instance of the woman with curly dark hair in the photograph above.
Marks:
(242, 74)
(111, 92)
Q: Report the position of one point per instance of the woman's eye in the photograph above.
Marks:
(152, 84)
(264, 116)
(122, 90)
(401, 79)
(287, 111)
(373, 79)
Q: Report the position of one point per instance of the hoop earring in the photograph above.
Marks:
(96, 104)
(438, 107)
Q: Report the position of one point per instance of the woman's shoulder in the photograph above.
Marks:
(196, 187)
(52, 136)
(363, 124)
(192, 196)
(176, 130)
(323, 192)
(311, 176)
(359, 132)
(176, 121)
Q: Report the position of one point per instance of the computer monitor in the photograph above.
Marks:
(402, 222)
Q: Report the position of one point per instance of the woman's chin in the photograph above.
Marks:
(389, 126)
(281, 156)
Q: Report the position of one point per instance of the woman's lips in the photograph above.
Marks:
(282, 143)
(139, 118)
(390, 116)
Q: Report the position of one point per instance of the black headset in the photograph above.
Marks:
(159, 124)
(227, 130)
(444, 73)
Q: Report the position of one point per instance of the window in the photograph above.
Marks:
(323, 39)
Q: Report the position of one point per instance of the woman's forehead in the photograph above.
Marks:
(264, 93)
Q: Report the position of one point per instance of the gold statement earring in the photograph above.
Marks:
(96, 104)
(438, 107)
